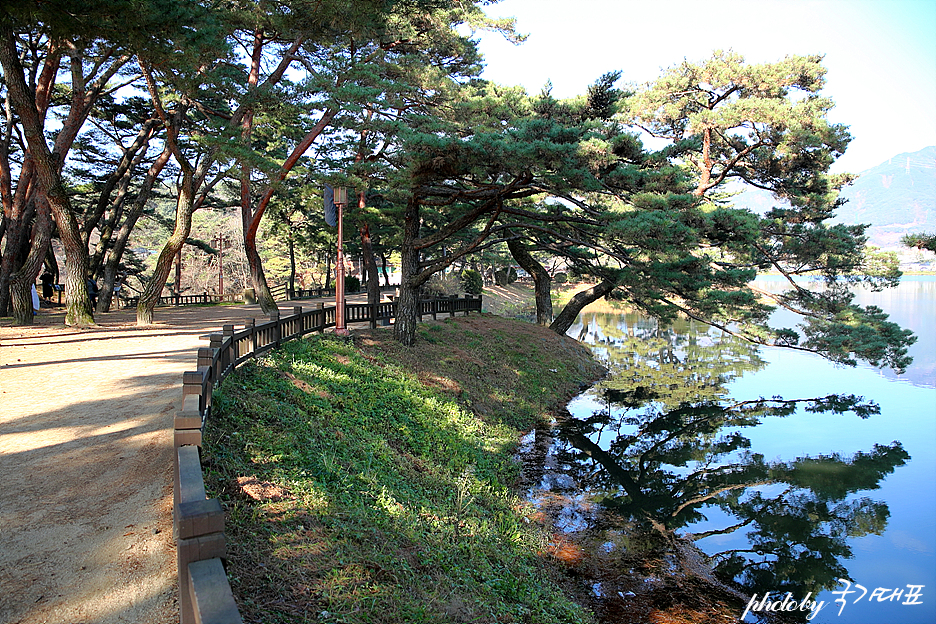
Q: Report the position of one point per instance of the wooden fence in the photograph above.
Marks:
(280, 292)
(311, 293)
(205, 595)
(186, 300)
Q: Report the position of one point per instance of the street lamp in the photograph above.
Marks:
(220, 240)
(340, 199)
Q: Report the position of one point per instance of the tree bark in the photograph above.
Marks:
(183, 226)
(292, 263)
(370, 261)
(11, 259)
(542, 282)
(252, 221)
(115, 253)
(258, 278)
(407, 313)
(383, 266)
(22, 281)
(78, 310)
(581, 299)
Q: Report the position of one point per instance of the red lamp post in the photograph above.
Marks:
(341, 198)
(221, 265)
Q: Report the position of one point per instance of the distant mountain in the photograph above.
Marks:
(894, 198)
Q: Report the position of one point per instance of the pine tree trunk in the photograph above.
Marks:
(49, 180)
(254, 263)
(183, 225)
(370, 262)
(10, 261)
(386, 274)
(15, 218)
(115, 253)
(542, 282)
(258, 279)
(581, 299)
(542, 290)
(78, 310)
(22, 281)
(407, 313)
(21, 300)
(292, 265)
(106, 291)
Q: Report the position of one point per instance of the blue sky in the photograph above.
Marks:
(881, 54)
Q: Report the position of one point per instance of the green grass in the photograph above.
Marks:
(396, 499)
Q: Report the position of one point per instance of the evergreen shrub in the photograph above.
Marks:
(472, 282)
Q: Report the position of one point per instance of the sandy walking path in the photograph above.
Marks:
(86, 464)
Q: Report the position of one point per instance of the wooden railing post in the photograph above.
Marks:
(251, 326)
(211, 593)
(277, 327)
(296, 323)
(199, 526)
(216, 340)
(205, 355)
(452, 300)
(320, 306)
(188, 422)
(230, 352)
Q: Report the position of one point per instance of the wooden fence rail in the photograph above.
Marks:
(187, 300)
(280, 292)
(205, 595)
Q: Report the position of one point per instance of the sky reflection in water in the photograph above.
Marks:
(839, 494)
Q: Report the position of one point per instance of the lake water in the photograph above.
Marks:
(815, 495)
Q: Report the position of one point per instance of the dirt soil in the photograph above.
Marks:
(86, 460)
(86, 463)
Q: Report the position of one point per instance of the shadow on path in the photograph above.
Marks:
(86, 463)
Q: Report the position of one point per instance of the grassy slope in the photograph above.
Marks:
(368, 482)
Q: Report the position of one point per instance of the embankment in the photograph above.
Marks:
(369, 482)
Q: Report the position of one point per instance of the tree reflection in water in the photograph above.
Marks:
(669, 446)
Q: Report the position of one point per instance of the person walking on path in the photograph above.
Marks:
(92, 292)
(35, 299)
(47, 290)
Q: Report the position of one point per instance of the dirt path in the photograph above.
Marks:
(86, 464)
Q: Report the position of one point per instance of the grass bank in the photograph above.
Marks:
(368, 482)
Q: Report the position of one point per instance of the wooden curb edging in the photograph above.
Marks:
(205, 595)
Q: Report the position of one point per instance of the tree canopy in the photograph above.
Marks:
(628, 185)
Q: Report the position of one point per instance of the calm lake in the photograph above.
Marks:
(709, 437)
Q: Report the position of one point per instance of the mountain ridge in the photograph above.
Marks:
(895, 197)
